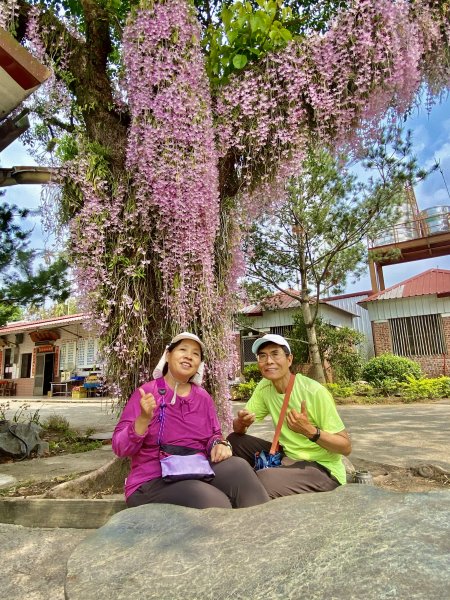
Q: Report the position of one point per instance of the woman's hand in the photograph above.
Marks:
(220, 452)
(148, 405)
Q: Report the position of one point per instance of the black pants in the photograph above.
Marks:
(299, 478)
(234, 486)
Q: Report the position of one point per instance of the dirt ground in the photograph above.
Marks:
(398, 479)
(388, 477)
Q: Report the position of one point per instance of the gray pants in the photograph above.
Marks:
(299, 478)
(234, 486)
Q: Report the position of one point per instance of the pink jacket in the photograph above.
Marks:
(192, 422)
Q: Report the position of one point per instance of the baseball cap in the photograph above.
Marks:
(270, 337)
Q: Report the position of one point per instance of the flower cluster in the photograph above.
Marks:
(371, 60)
(8, 12)
(171, 152)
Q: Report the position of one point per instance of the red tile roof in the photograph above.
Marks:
(433, 281)
(52, 323)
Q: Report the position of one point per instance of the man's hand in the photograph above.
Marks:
(148, 405)
(334, 442)
(243, 420)
(299, 422)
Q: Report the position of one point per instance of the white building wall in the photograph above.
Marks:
(78, 349)
(382, 310)
(278, 318)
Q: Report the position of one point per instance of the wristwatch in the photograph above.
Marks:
(223, 442)
(316, 436)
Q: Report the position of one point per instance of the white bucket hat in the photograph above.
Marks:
(185, 335)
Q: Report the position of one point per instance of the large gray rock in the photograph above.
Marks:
(358, 542)
(20, 439)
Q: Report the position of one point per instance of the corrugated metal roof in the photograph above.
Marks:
(253, 309)
(21, 326)
(433, 281)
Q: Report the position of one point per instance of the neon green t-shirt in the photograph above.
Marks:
(321, 411)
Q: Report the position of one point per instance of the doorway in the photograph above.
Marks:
(43, 375)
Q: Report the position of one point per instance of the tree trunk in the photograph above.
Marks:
(317, 372)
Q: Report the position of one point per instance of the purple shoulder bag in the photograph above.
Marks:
(180, 462)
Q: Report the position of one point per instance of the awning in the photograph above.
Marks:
(20, 73)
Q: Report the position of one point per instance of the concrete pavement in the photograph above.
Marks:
(97, 414)
(400, 434)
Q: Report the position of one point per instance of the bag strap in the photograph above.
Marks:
(162, 393)
(287, 395)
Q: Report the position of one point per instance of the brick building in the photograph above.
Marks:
(412, 319)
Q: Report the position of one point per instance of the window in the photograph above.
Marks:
(83, 350)
(418, 336)
(80, 353)
(284, 330)
(90, 352)
(67, 356)
(7, 370)
(247, 354)
(25, 365)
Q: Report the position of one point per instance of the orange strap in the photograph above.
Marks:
(287, 395)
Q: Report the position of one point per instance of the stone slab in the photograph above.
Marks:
(106, 435)
(61, 512)
(34, 561)
(43, 469)
(358, 542)
(6, 480)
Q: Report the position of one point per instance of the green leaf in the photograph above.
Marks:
(286, 34)
(239, 61)
(226, 16)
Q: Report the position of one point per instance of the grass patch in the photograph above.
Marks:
(73, 445)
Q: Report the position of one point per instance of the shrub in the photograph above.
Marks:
(417, 389)
(243, 391)
(347, 366)
(391, 367)
(362, 388)
(252, 372)
(389, 386)
(340, 390)
(444, 384)
(56, 423)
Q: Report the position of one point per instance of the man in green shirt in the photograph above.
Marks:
(313, 436)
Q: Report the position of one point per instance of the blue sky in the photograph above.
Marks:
(431, 141)
(24, 196)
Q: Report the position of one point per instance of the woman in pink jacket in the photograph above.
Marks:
(173, 410)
